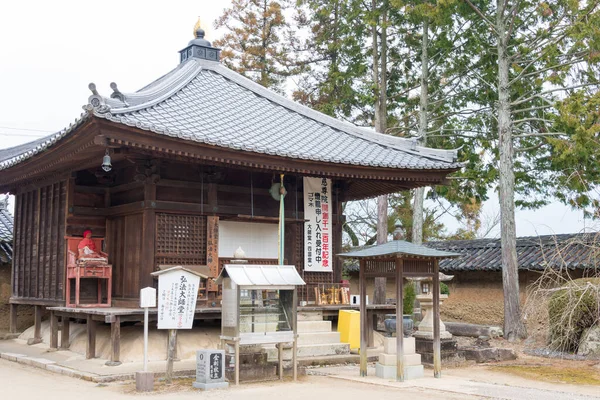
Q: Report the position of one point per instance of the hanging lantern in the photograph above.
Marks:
(106, 165)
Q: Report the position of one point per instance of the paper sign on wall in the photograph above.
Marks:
(318, 245)
(177, 293)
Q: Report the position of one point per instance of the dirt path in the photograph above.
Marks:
(24, 383)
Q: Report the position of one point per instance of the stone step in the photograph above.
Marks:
(318, 338)
(314, 326)
(311, 350)
(310, 316)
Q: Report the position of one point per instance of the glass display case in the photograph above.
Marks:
(259, 305)
(259, 314)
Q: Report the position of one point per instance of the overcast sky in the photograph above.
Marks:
(51, 50)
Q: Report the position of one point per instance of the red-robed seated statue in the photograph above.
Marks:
(87, 249)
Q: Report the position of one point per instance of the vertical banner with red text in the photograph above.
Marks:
(318, 212)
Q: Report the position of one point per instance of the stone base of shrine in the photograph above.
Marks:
(448, 347)
(386, 367)
(389, 372)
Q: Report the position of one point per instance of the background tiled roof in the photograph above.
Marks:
(572, 251)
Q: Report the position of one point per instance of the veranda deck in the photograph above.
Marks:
(117, 315)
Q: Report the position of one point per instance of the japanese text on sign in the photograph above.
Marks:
(317, 228)
(177, 293)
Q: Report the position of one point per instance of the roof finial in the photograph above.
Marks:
(198, 31)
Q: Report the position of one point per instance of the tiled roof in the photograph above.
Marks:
(572, 251)
(203, 101)
(6, 233)
(398, 247)
(18, 154)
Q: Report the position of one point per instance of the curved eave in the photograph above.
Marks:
(145, 138)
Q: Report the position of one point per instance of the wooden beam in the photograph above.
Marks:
(364, 320)
(65, 332)
(37, 330)
(115, 341)
(53, 331)
(148, 237)
(437, 355)
(13, 327)
(399, 321)
(90, 349)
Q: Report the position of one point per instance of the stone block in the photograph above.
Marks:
(389, 372)
(590, 342)
(39, 362)
(426, 345)
(310, 316)
(253, 373)
(506, 354)
(11, 356)
(314, 326)
(481, 355)
(319, 338)
(389, 345)
(144, 381)
(210, 386)
(390, 359)
(58, 369)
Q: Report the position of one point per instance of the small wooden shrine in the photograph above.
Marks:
(399, 259)
(181, 172)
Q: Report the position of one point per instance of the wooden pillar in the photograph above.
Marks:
(280, 360)
(399, 321)
(364, 320)
(53, 330)
(115, 341)
(65, 332)
(437, 356)
(37, 330)
(90, 349)
(148, 235)
(13, 327)
(171, 347)
(237, 361)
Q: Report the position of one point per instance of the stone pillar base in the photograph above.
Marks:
(144, 381)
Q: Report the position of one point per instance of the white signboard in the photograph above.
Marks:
(318, 245)
(177, 293)
(147, 297)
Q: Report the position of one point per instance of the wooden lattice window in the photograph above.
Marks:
(180, 239)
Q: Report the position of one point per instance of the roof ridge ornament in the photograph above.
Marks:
(199, 47)
(96, 101)
(116, 94)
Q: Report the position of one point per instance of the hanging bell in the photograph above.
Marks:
(106, 165)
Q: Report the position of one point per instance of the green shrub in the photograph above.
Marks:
(410, 294)
(444, 288)
(571, 310)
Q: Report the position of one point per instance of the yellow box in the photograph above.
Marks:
(349, 327)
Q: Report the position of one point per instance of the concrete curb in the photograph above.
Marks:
(54, 367)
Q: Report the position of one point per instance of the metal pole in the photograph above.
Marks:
(145, 339)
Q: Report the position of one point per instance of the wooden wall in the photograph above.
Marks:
(39, 253)
(123, 245)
